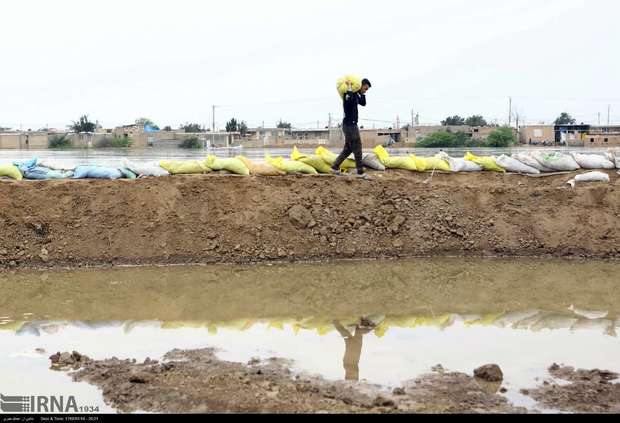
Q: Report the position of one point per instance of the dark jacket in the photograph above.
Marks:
(351, 101)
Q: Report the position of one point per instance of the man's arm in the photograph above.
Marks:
(362, 100)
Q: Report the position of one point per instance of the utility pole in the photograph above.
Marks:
(412, 118)
(509, 111)
(608, 116)
(214, 118)
(599, 118)
(397, 122)
(329, 129)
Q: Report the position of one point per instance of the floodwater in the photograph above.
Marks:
(113, 157)
(523, 315)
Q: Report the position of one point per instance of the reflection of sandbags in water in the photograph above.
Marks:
(603, 325)
(486, 320)
(413, 322)
(510, 319)
(314, 161)
(96, 325)
(129, 326)
(589, 314)
(488, 163)
(261, 169)
(553, 322)
(528, 322)
(12, 326)
(330, 158)
(403, 163)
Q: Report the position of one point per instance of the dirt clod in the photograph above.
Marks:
(489, 373)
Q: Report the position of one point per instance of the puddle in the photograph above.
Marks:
(523, 315)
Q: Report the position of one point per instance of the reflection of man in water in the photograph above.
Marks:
(353, 349)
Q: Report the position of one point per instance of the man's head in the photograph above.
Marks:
(365, 86)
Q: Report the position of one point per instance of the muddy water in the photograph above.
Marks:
(521, 314)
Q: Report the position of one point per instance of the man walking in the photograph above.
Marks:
(352, 139)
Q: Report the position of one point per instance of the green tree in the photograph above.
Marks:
(284, 125)
(115, 141)
(440, 139)
(453, 121)
(83, 125)
(232, 125)
(168, 128)
(192, 128)
(446, 139)
(243, 128)
(476, 120)
(565, 119)
(146, 122)
(501, 137)
(59, 141)
(191, 143)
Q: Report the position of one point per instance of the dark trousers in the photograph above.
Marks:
(352, 144)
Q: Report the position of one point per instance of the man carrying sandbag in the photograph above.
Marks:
(352, 139)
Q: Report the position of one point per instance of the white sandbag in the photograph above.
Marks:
(514, 165)
(54, 165)
(371, 161)
(459, 165)
(593, 161)
(145, 169)
(530, 161)
(557, 161)
(462, 165)
(614, 156)
(590, 177)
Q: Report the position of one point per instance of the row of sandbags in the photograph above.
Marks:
(319, 163)
(527, 163)
(534, 320)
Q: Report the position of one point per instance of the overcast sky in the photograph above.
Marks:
(263, 60)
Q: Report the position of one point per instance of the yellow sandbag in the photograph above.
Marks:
(404, 163)
(382, 329)
(184, 167)
(11, 171)
(486, 320)
(423, 164)
(261, 169)
(291, 166)
(315, 161)
(330, 158)
(487, 163)
(356, 84)
(235, 166)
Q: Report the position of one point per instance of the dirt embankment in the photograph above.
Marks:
(215, 218)
(198, 382)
